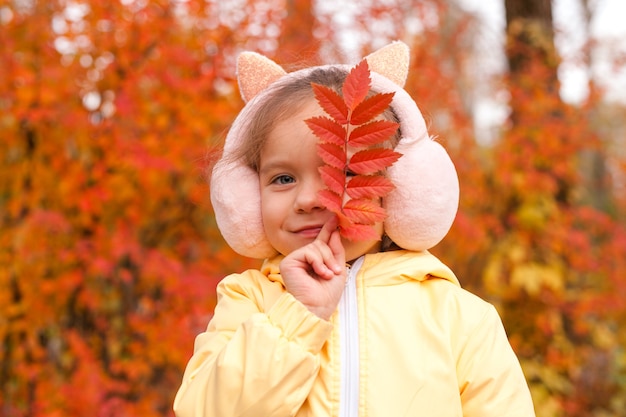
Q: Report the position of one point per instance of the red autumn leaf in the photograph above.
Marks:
(371, 161)
(333, 178)
(327, 130)
(369, 186)
(370, 108)
(330, 200)
(331, 103)
(357, 205)
(364, 211)
(332, 155)
(372, 133)
(356, 85)
(356, 232)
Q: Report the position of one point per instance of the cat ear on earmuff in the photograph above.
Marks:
(255, 73)
(391, 61)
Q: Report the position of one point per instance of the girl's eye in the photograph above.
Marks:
(283, 180)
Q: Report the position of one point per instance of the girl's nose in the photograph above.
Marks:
(308, 199)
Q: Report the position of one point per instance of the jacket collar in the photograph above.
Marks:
(385, 268)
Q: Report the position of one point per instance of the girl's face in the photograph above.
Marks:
(290, 181)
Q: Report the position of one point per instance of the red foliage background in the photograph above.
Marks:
(109, 254)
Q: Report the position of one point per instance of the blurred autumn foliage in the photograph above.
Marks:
(109, 255)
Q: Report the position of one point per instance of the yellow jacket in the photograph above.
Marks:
(407, 340)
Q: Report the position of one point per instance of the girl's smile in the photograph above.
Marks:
(309, 231)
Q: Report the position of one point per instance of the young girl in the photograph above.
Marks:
(333, 327)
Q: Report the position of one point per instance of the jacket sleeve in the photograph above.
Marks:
(491, 380)
(250, 362)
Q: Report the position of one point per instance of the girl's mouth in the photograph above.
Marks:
(309, 231)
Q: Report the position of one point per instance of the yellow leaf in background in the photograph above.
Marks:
(516, 252)
(603, 337)
(545, 404)
(492, 276)
(535, 213)
(532, 277)
(550, 378)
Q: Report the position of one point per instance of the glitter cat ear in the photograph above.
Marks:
(391, 61)
(255, 72)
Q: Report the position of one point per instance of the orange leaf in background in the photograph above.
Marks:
(350, 129)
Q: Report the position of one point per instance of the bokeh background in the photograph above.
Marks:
(110, 111)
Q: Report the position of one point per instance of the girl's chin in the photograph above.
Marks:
(355, 250)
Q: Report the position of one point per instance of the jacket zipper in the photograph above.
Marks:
(349, 343)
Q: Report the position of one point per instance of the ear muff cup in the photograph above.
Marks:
(422, 208)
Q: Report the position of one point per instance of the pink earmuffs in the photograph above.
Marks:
(420, 210)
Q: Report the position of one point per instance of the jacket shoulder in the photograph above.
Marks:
(253, 285)
(458, 301)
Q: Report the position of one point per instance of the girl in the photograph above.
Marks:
(327, 326)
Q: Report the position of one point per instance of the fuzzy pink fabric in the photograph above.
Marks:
(420, 210)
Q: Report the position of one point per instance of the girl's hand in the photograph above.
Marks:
(315, 274)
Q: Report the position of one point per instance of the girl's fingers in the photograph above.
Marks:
(322, 260)
(336, 247)
(319, 258)
(329, 227)
(331, 264)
